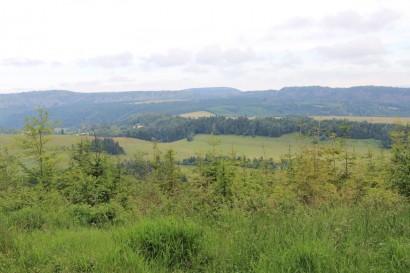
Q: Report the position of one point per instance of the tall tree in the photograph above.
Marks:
(34, 142)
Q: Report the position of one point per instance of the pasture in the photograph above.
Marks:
(251, 147)
(402, 120)
(198, 114)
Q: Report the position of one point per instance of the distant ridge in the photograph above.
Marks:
(48, 98)
(75, 108)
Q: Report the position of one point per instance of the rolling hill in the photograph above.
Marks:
(74, 109)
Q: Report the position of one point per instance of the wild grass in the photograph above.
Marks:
(320, 240)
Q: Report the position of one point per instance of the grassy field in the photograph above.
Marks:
(403, 120)
(199, 114)
(252, 147)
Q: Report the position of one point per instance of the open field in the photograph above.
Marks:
(252, 147)
(402, 120)
(199, 114)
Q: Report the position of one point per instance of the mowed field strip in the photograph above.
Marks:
(199, 114)
(401, 120)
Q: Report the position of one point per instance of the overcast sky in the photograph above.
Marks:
(120, 45)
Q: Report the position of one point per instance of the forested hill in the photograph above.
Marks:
(73, 109)
(372, 94)
(52, 98)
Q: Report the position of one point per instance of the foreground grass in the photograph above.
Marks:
(320, 240)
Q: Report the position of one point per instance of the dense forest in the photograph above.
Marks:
(321, 209)
(168, 128)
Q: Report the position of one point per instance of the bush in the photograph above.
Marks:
(172, 243)
(382, 199)
(6, 241)
(28, 218)
(96, 216)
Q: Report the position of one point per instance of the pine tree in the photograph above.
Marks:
(400, 161)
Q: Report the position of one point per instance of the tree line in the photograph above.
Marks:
(168, 128)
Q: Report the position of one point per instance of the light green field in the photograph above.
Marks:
(63, 141)
(199, 114)
(252, 147)
(368, 119)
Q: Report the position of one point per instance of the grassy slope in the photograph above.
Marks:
(252, 147)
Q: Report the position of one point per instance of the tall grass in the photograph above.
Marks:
(320, 240)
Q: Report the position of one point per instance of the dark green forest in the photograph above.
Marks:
(168, 128)
(320, 209)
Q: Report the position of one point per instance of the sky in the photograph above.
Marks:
(131, 45)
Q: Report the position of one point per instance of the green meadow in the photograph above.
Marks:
(251, 147)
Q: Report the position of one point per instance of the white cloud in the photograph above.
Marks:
(353, 21)
(237, 55)
(21, 62)
(405, 62)
(289, 61)
(214, 55)
(109, 61)
(174, 57)
(120, 79)
(365, 49)
(210, 55)
(175, 44)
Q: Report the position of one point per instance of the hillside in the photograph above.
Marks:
(74, 109)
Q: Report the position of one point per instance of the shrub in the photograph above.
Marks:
(6, 241)
(96, 216)
(28, 218)
(382, 199)
(172, 243)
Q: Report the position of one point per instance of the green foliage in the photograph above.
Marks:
(91, 178)
(100, 216)
(169, 242)
(168, 128)
(34, 144)
(226, 214)
(400, 169)
(107, 145)
(382, 199)
(29, 218)
(6, 241)
(8, 168)
(310, 175)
